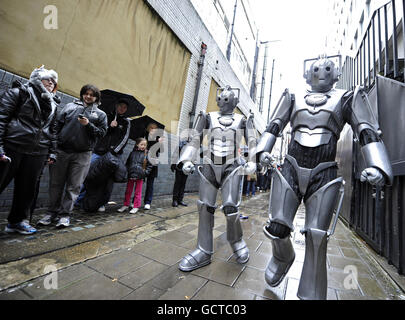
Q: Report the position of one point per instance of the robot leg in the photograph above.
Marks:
(319, 211)
(283, 206)
(201, 256)
(231, 197)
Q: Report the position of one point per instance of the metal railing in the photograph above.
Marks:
(378, 214)
(378, 50)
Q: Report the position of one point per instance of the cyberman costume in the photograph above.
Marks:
(221, 169)
(309, 172)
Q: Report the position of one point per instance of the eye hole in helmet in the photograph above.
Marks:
(316, 69)
(328, 69)
(226, 99)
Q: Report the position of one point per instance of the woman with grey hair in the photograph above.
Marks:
(27, 141)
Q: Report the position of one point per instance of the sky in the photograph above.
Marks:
(301, 26)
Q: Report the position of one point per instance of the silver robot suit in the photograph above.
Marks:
(221, 169)
(309, 172)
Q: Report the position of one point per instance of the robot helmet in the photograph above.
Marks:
(322, 75)
(227, 100)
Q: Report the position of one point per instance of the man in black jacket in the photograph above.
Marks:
(115, 142)
(27, 141)
(180, 179)
(79, 126)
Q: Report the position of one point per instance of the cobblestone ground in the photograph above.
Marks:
(135, 257)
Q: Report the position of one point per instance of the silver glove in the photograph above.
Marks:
(249, 168)
(266, 159)
(188, 168)
(373, 176)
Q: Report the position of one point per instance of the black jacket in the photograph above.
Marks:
(74, 137)
(156, 148)
(135, 165)
(27, 121)
(116, 138)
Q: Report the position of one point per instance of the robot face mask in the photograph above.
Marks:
(322, 75)
(227, 101)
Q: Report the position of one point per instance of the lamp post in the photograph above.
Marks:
(263, 78)
(271, 87)
(263, 84)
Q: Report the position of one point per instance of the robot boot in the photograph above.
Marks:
(283, 207)
(234, 235)
(281, 261)
(313, 284)
(201, 256)
(319, 212)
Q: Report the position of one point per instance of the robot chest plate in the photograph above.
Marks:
(226, 123)
(317, 110)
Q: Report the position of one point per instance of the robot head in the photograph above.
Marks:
(322, 75)
(227, 100)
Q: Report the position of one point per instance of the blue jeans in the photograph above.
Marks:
(251, 187)
(94, 157)
(147, 199)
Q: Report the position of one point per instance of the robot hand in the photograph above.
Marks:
(188, 168)
(373, 176)
(249, 168)
(266, 159)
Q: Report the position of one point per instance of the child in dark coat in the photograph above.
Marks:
(138, 168)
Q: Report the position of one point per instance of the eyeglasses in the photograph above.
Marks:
(49, 80)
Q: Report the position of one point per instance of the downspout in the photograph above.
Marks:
(197, 87)
(253, 86)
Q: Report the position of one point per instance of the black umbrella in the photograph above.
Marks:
(139, 125)
(110, 98)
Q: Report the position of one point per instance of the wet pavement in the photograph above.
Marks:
(113, 256)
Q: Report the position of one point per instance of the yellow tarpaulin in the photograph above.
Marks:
(119, 45)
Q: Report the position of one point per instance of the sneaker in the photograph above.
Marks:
(21, 227)
(147, 206)
(101, 209)
(63, 222)
(122, 209)
(134, 210)
(46, 220)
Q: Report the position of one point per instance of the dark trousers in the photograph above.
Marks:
(65, 179)
(25, 170)
(147, 199)
(251, 188)
(179, 186)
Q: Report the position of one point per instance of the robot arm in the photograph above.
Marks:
(250, 138)
(249, 133)
(190, 151)
(279, 120)
(366, 130)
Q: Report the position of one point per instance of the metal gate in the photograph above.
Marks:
(378, 214)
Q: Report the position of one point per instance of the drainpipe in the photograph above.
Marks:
(197, 87)
(253, 86)
(228, 50)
